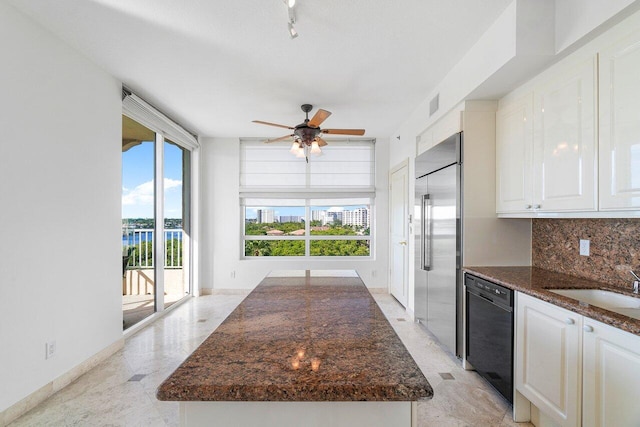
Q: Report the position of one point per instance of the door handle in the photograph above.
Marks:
(403, 243)
(426, 232)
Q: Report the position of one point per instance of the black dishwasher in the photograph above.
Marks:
(489, 327)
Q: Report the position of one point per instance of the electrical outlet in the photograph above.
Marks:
(373, 273)
(50, 349)
(584, 247)
(233, 274)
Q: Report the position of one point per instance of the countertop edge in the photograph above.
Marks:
(535, 281)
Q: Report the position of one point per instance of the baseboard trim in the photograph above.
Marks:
(43, 393)
(230, 291)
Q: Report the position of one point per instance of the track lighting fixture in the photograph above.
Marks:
(292, 31)
(292, 18)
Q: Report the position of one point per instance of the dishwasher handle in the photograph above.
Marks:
(489, 298)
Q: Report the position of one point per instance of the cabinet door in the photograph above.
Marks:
(564, 142)
(611, 376)
(548, 358)
(514, 136)
(620, 125)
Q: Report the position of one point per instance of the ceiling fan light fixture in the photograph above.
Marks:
(307, 136)
(315, 148)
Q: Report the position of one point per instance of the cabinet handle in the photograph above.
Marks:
(569, 321)
(537, 206)
(587, 328)
(527, 207)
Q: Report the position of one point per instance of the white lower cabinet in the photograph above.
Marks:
(548, 358)
(611, 376)
(575, 370)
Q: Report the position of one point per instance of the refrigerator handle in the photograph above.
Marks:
(426, 232)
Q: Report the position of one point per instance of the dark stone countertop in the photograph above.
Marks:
(536, 282)
(301, 339)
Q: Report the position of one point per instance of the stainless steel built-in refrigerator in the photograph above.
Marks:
(438, 287)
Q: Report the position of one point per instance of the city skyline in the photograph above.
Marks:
(356, 216)
(252, 211)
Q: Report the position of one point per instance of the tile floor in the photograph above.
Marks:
(121, 390)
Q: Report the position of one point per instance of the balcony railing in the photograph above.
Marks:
(137, 248)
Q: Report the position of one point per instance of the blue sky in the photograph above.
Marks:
(138, 186)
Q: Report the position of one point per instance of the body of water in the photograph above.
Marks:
(134, 238)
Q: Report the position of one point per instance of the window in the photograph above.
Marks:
(322, 208)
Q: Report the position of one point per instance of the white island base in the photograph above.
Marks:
(296, 414)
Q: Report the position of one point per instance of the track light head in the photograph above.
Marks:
(292, 31)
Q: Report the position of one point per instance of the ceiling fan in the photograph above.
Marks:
(306, 135)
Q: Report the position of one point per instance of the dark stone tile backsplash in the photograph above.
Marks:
(615, 248)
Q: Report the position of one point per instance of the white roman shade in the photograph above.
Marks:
(145, 114)
(346, 169)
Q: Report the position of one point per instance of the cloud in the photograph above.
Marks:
(171, 183)
(142, 195)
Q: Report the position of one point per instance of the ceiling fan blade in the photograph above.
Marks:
(317, 119)
(359, 132)
(321, 142)
(272, 124)
(282, 138)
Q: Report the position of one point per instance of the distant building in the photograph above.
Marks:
(319, 216)
(266, 216)
(334, 217)
(357, 217)
(290, 218)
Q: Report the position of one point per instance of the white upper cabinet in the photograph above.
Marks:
(620, 125)
(564, 142)
(546, 146)
(514, 137)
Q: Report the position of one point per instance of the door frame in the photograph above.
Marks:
(402, 165)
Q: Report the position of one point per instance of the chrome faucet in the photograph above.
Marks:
(636, 283)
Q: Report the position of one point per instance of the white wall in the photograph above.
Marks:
(576, 18)
(221, 226)
(60, 189)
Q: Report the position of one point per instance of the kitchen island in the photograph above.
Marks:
(303, 348)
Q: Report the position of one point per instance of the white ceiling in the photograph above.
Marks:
(216, 65)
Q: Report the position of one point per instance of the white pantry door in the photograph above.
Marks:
(399, 234)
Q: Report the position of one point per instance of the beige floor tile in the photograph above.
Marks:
(105, 396)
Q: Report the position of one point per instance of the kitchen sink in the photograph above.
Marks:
(613, 301)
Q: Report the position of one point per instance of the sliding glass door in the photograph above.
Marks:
(155, 254)
(177, 193)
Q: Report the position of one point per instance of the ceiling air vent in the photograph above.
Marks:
(434, 104)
